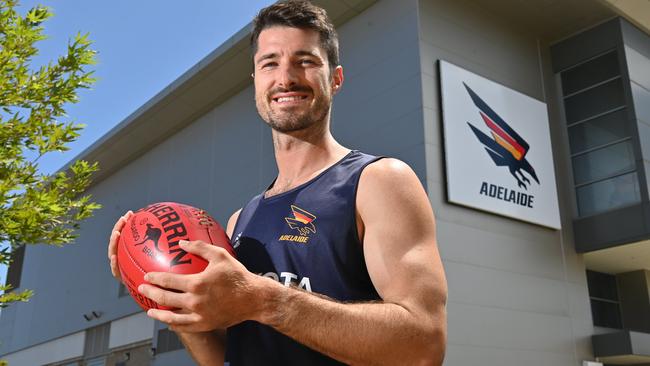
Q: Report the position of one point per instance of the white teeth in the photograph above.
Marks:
(289, 99)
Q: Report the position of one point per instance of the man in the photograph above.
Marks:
(337, 260)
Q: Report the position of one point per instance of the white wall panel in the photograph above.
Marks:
(56, 350)
(133, 328)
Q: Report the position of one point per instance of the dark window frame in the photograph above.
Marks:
(599, 283)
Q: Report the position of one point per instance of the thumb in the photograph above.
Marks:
(198, 247)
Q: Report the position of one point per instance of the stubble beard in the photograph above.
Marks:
(288, 121)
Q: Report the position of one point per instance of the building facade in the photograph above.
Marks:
(519, 293)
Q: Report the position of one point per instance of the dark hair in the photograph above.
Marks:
(299, 14)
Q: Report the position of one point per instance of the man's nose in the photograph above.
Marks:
(287, 76)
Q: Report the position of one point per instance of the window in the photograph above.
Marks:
(603, 163)
(597, 70)
(608, 194)
(122, 291)
(97, 340)
(99, 361)
(603, 296)
(600, 141)
(594, 101)
(602, 130)
(168, 341)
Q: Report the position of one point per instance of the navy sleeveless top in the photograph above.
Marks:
(306, 237)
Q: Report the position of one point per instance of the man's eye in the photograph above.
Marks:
(269, 65)
(308, 62)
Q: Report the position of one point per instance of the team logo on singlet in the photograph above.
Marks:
(302, 222)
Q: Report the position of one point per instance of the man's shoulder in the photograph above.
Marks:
(386, 170)
(387, 179)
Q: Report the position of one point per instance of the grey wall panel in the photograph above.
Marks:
(379, 107)
(187, 170)
(362, 80)
(353, 123)
(517, 291)
(482, 247)
(7, 321)
(217, 162)
(641, 98)
(479, 355)
(243, 162)
(376, 35)
(644, 138)
(574, 267)
(638, 65)
(526, 233)
(635, 38)
(468, 35)
(152, 164)
(509, 330)
(435, 167)
(646, 166)
(471, 284)
(394, 135)
(577, 296)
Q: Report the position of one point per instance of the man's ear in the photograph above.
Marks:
(337, 79)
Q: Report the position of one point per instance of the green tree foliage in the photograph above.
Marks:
(37, 208)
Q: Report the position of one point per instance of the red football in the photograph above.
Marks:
(149, 243)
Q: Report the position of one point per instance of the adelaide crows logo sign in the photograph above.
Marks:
(506, 147)
(497, 146)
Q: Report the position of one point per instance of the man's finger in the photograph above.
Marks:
(204, 250)
(162, 296)
(173, 318)
(172, 281)
(114, 269)
(115, 233)
(112, 243)
(119, 223)
(122, 220)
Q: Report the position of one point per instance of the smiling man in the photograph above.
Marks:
(337, 260)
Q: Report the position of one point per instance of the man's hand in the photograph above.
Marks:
(112, 244)
(206, 347)
(224, 294)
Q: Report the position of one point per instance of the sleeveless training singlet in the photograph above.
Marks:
(306, 237)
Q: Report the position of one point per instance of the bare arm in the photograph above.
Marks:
(407, 327)
(208, 348)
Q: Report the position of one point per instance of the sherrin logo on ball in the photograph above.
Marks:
(149, 243)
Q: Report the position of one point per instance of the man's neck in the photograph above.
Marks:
(302, 155)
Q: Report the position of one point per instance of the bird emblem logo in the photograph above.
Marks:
(301, 221)
(505, 147)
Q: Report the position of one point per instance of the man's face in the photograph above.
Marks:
(293, 83)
